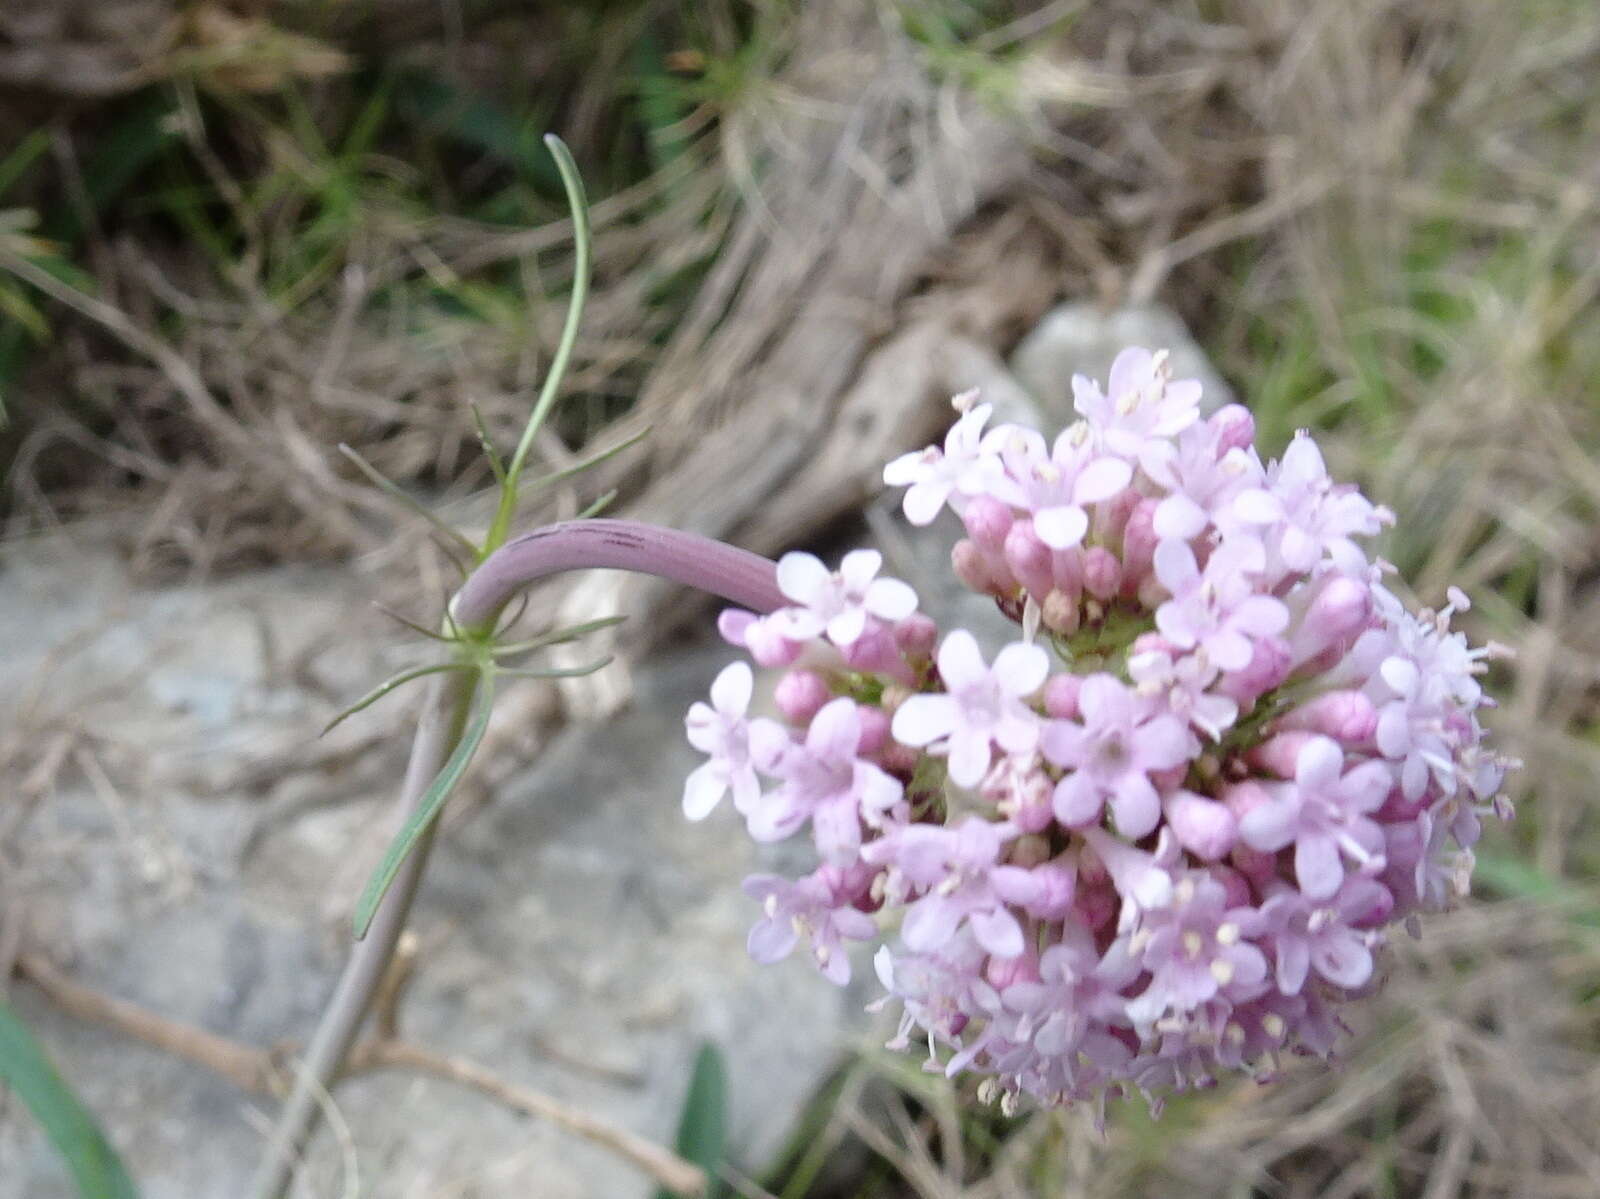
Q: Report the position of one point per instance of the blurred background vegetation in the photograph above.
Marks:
(236, 234)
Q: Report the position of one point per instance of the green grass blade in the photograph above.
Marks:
(94, 1164)
(428, 809)
(703, 1124)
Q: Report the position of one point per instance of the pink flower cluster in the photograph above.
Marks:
(1159, 835)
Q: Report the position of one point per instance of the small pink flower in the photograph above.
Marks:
(824, 781)
(1055, 487)
(1111, 754)
(963, 468)
(1220, 611)
(1325, 810)
(722, 731)
(981, 706)
(1143, 402)
(839, 602)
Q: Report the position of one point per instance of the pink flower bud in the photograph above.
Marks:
(1029, 558)
(1057, 886)
(875, 650)
(1138, 547)
(874, 729)
(1338, 613)
(1256, 865)
(1240, 798)
(1102, 573)
(1397, 808)
(1235, 883)
(917, 634)
(1066, 568)
(988, 521)
(1061, 695)
(1005, 972)
(1347, 716)
(733, 623)
(800, 694)
(769, 648)
(1060, 613)
(1235, 427)
(901, 759)
(1268, 667)
(966, 559)
(1097, 906)
(1279, 754)
(1203, 826)
(1172, 776)
(1111, 516)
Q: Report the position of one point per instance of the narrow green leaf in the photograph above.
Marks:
(387, 485)
(600, 505)
(703, 1124)
(94, 1164)
(428, 809)
(385, 687)
(557, 636)
(557, 672)
(593, 460)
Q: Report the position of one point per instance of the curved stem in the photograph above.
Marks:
(710, 566)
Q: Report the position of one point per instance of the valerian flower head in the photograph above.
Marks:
(1159, 837)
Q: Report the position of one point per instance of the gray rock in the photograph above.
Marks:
(577, 935)
(1082, 338)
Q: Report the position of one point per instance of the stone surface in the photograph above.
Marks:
(1082, 338)
(199, 850)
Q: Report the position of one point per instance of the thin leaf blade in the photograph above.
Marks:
(95, 1166)
(427, 810)
(703, 1124)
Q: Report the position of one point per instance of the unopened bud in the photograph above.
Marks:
(1234, 426)
(1059, 613)
(1102, 573)
(1203, 826)
(1029, 558)
(988, 521)
(800, 694)
(1346, 716)
(1061, 695)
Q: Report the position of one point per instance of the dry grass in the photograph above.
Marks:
(1379, 216)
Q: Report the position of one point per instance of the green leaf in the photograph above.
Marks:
(385, 687)
(428, 809)
(703, 1124)
(95, 1166)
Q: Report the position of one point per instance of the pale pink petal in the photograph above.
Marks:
(703, 790)
(835, 731)
(1179, 518)
(997, 931)
(1163, 743)
(960, 662)
(969, 757)
(1258, 507)
(1269, 826)
(930, 923)
(1021, 668)
(1294, 959)
(1077, 801)
(846, 628)
(859, 567)
(1318, 764)
(924, 500)
(1061, 528)
(1316, 865)
(1175, 566)
(802, 577)
(1135, 807)
(890, 599)
(730, 690)
(771, 941)
(923, 719)
(1343, 960)
(1101, 480)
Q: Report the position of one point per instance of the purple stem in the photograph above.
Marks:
(687, 558)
